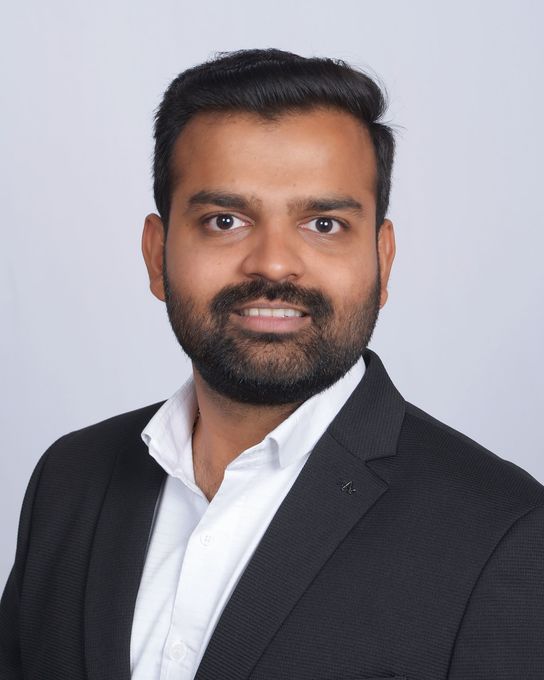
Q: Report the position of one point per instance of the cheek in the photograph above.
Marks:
(351, 282)
(196, 275)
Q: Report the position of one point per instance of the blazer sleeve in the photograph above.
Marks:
(502, 632)
(10, 653)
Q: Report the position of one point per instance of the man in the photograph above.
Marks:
(286, 514)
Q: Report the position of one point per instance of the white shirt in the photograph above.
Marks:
(199, 549)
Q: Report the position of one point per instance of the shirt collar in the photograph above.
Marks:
(299, 433)
(168, 433)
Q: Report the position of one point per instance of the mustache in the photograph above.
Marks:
(318, 305)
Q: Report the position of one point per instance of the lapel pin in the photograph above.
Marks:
(348, 487)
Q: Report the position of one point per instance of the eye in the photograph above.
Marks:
(324, 225)
(224, 222)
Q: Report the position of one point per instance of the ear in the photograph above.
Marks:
(153, 242)
(386, 255)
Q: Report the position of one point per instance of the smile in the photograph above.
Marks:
(268, 311)
(271, 319)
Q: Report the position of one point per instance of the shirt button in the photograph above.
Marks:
(206, 539)
(178, 650)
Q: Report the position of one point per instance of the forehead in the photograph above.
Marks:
(316, 150)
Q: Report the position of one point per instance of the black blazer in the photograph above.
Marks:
(432, 568)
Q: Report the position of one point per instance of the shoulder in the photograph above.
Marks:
(71, 477)
(457, 500)
(115, 429)
(480, 478)
(92, 450)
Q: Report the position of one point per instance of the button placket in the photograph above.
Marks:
(203, 564)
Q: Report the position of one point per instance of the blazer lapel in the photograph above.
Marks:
(117, 559)
(334, 490)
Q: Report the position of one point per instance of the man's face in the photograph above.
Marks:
(272, 274)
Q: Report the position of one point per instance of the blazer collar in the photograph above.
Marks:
(369, 424)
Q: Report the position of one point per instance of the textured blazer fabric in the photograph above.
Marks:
(403, 551)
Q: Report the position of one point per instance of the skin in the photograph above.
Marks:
(275, 167)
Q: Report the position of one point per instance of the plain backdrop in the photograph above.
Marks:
(82, 337)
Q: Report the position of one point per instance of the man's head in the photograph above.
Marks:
(272, 177)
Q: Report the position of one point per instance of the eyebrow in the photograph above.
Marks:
(315, 204)
(221, 199)
(326, 204)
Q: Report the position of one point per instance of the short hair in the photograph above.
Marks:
(269, 83)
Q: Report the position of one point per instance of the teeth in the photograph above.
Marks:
(266, 311)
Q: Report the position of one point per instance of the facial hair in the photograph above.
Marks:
(265, 368)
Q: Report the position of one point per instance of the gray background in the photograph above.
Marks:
(82, 338)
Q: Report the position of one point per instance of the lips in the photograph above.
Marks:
(271, 317)
(268, 312)
(267, 309)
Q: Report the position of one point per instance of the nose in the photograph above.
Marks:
(274, 253)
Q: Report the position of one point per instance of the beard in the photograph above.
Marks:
(271, 369)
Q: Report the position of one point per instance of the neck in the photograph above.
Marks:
(224, 429)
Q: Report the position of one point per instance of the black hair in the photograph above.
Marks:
(270, 82)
